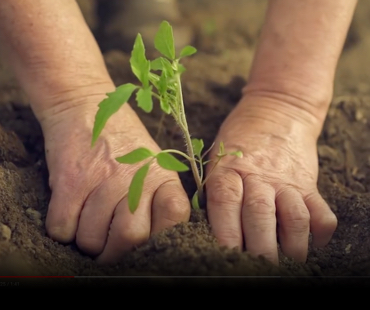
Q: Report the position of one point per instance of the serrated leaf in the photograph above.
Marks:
(144, 99)
(195, 201)
(136, 188)
(165, 107)
(109, 106)
(237, 153)
(170, 162)
(188, 51)
(140, 66)
(198, 146)
(135, 156)
(164, 41)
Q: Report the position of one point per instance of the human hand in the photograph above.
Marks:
(271, 193)
(89, 187)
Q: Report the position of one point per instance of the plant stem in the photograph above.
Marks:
(177, 152)
(210, 172)
(185, 130)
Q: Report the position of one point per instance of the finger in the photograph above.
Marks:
(64, 210)
(323, 220)
(170, 206)
(127, 230)
(96, 217)
(294, 224)
(259, 219)
(224, 201)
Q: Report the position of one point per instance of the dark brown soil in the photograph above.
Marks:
(226, 37)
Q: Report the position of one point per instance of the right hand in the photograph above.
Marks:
(89, 187)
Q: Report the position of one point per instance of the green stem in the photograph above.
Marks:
(184, 128)
(177, 152)
(201, 168)
(209, 173)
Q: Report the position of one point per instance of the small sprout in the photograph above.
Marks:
(160, 79)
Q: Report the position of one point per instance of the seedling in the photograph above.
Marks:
(160, 79)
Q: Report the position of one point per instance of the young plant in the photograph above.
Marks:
(160, 79)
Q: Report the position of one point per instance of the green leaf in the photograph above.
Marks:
(165, 107)
(135, 156)
(198, 146)
(144, 99)
(188, 51)
(139, 64)
(162, 84)
(162, 64)
(164, 41)
(109, 106)
(181, 69)
(195, 201)
(169, 162)
(156, 64)
(237, 153)
(136, 188)
(154, 78)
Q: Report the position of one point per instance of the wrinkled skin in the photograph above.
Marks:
(89, 188)
(270, 194)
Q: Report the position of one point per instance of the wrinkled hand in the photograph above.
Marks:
(89, 188)
(271, 193)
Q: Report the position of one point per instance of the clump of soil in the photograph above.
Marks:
(211, 88)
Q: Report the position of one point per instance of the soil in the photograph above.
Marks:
(226, 36)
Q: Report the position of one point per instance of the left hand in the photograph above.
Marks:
(271, 193)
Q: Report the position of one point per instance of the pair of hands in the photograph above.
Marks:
(267, 196)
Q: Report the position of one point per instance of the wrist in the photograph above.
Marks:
(308, 98)
(52, 103)
(287, 108)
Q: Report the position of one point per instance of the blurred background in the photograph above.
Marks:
(227, 29)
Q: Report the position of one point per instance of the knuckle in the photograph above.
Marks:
(297, 220)
(174, 203)
(68, 180)
(171, 202)
(225, 189)
(175, 210)
(260, 207)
